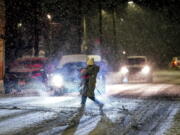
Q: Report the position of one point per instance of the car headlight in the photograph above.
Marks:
(57, 80)
(146, 70)
(124, 70)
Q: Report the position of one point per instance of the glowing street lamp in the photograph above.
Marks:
(103, 12)
(124, 52)
(49, 16)
(19, 25)
(130, 2)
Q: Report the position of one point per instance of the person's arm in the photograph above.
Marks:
(83, 71)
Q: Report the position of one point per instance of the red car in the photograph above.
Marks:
(175, 62)
(24, 70)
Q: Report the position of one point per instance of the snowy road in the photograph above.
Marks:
(130, 109)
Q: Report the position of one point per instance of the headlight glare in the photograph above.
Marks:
(124, 70)
(146, 70)
(57, 80)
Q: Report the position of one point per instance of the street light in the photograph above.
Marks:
(130, 2)
(49, 17)
(124, 52)
(19, 25)
(103, 12)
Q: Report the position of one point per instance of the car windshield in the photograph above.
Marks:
(74, 66)
(133, 61)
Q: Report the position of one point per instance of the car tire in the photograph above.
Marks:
(58, 91)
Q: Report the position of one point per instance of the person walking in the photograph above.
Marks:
(88, 76)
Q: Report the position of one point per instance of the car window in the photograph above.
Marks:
(69, 67)
(133, 61)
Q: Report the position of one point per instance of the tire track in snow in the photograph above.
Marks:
(10, 114)
(82, 123)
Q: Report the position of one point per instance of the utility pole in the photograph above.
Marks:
(84, 45)
(49, 17)
(100, 23)
(79, 23)
(36, 33)
(115, 48)
(114, 27)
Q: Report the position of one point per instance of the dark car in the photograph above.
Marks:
(175, 63)
(68, 78)
(24, 70)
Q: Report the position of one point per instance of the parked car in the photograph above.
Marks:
(67, 78)
(136, 68)
(175, 62)
(24, 70)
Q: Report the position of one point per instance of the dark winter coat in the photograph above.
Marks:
(89, 81)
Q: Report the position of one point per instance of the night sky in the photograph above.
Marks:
(149, 27)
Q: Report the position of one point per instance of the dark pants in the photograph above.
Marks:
(84, 98)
